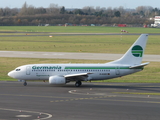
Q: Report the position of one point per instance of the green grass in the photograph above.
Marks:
(78, 29)
(149, 75)
(102, 43)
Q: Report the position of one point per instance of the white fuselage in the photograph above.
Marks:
(44, 71)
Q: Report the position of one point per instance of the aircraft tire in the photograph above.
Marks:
(25, 83)
(78, 83)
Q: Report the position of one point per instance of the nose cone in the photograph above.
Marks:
(11, 74)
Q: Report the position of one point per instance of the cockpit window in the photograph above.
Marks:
(18, 69)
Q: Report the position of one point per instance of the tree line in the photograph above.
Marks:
(59, 15)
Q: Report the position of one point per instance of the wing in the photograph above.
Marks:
(78, 76)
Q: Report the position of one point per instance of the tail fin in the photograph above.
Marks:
(135, 53)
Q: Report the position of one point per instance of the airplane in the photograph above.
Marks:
(58, 74)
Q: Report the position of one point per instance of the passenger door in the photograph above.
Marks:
(117, 70)
(28, 70)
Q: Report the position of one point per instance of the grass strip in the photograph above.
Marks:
(77, 29)
(85, 44)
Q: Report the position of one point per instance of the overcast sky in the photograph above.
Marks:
(81, 3)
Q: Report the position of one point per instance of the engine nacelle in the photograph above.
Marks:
(57, 80)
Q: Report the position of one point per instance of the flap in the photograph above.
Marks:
(76, 75)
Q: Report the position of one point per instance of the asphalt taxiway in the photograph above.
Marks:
(91, 101)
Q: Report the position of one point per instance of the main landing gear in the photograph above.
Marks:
(78, 83)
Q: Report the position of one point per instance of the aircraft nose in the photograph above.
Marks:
(10, 74)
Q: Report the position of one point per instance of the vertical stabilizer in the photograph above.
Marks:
(135, 53)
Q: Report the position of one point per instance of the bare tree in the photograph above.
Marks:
(14, 11)
(53, 9)
(88, 9)
(110, 12)
(31, 10)
(144, 10)
(121, 10)
(1, 12)
(24, 9)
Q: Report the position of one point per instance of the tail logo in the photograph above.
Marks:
(137, 51)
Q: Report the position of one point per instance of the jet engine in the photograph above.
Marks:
(57, 80)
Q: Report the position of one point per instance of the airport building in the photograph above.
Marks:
(156, 22)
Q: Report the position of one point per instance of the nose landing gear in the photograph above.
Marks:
(25, 83)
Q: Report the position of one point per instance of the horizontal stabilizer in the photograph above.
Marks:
(76, 75)
(139, 66)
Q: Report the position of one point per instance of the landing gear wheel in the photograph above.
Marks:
(25, 83)
(78, 83)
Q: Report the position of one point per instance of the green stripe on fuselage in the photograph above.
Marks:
(96, 67)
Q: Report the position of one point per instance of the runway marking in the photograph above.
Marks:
(131, 101)
(115, 94)
(84, 93)
(49, 115)
(124, 84)
(76, 99)
(34, 96)
(23, 116)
